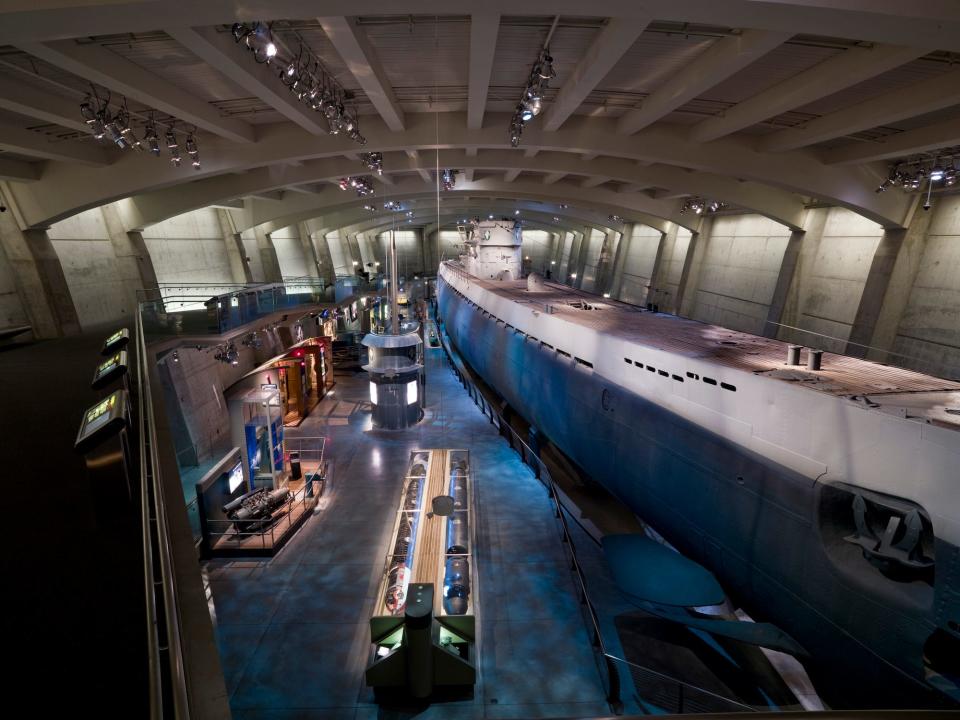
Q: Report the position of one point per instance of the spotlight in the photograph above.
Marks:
(615, 218)
(150, 136)
(192, 151)
(373, 161)
(936, 173)
(176, 356)
(448, 178)
(173, 146)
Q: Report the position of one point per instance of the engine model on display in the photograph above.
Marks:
(253, 511)
(823, 498)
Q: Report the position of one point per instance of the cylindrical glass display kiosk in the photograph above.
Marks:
(396, 370)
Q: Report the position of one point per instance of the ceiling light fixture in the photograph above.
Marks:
(448, 178)
(531, 100)
(362, 184)
(699, 205)
(306, 77)
(373, 161)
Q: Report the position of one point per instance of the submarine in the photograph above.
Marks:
(825, 498)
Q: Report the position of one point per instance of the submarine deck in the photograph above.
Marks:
(887, 387)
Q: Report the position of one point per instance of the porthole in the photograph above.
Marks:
(709, 381)
(728, 386)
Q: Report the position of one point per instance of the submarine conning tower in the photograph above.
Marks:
(491, 248)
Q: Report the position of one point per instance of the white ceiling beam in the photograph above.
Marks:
(260, 80)
(511, 175)
(104, 67)
(468, 174)
(552, 178)
(361, 60)
(594, 181)
(724, 58)
(922, 22)
(306, 189)
(425, 174)
(590, 156)
(412, 154)
(275, 195)
(632, 187)
(471, 152)
(25, 99)
(384, 178)
(38, 145)
(530, 152)
(923, 97)
(484, 28)
(616, 37)
(850, 67)
(19, 170)
(228, 204)
(932, 137)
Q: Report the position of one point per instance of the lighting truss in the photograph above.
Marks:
(393, 206)
(448, 178)
(362, 184)
(531, 102)
(373, 161)
(116, 126)
(699, 205)
(306, 77)
(909, 175)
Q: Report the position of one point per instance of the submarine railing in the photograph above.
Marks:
(167, 683)
(608, 667)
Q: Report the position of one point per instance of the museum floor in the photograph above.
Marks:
(293, 631)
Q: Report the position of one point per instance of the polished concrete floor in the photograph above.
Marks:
(293, 631)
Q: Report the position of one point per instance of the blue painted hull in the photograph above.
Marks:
(752, 522)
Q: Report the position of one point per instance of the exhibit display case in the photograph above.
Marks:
(428, 584)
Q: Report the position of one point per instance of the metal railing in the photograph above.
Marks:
(202, 308)
(678, 693)
(299, 503)
(168, 696)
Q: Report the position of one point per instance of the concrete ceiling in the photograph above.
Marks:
(763, 105)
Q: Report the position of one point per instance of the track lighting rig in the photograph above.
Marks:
(373, 161)
(938, 169)
(699, 205)
(531, 102)
(305, 76)
(448, 178)
(116, 126)
(362, 184)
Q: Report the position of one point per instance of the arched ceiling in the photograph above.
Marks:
(765, 106)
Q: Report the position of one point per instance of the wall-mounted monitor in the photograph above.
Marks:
(100, 421)
(119, 340)
(111, 369)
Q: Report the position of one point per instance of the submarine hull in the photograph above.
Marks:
(755, 524)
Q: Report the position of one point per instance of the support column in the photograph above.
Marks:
(327, 270)
(901, 283)
(661, 261)
(605, 262)
(134, 265)
(309, 250)
(581, 260)
(813, 225)
(788, 266)
(268, 256)
(692, 265)
(239, 264)
(620, 260)
(878, 291)
(40, 282)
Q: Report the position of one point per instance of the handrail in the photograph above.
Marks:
(168, 694)
(542, 473)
